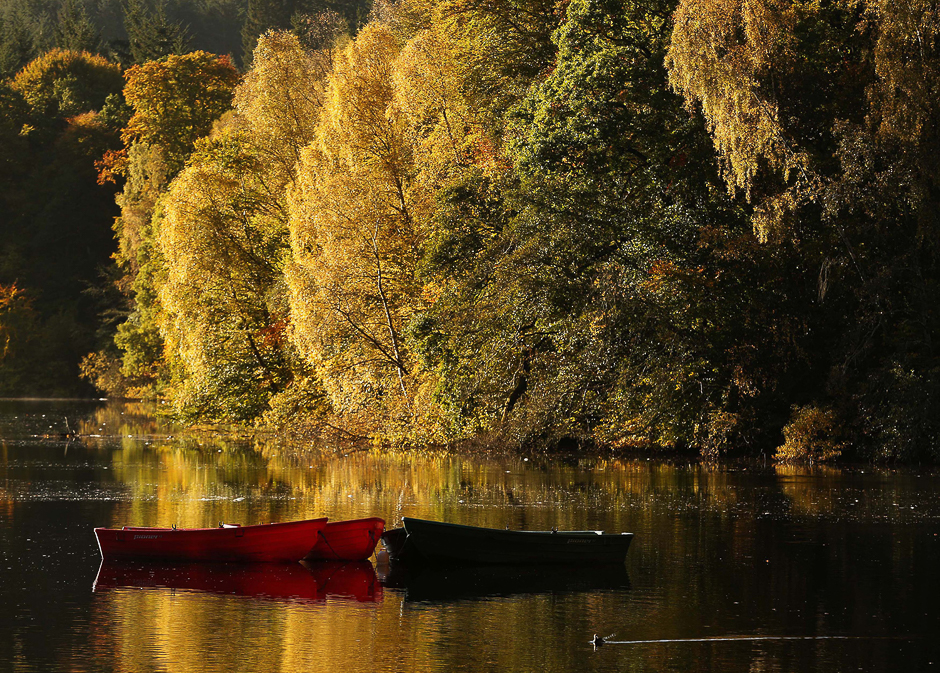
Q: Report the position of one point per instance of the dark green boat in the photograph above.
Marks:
(436, 542)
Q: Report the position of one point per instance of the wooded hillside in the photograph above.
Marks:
(709, 225)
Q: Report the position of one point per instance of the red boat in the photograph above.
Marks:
(353, 540)
(267, 543)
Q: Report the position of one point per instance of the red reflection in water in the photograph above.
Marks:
(292, 582)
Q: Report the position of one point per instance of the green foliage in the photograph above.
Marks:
(52, 243)
(302, 401)
(138, 335)
(579, 307)
(74, 30)
(13, 114)
(18, 40)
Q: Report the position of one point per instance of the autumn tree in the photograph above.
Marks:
(503, 44)
(354, 240)
(224, 239)
(281, 97)
(818, 112)
(223, 242)
(12, 302)
(138, 346)
(63, 83)
(17, 329)
(173, 102)
(176, 100)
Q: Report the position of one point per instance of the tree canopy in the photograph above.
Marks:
(707, 225)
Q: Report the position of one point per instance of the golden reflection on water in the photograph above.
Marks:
(164, 463)
(146, 630)
(719, 549)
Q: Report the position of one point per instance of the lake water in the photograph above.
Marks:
(744, 567)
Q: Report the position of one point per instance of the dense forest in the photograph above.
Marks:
(706, 225)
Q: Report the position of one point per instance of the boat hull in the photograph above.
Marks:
(265, 543)
(352, 540)
(436, 542)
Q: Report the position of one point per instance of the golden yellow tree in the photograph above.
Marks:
(354, 237)
(442, 128)
(906, 64)
(224, 237)
(723, 56)
(280, 98)
(744, 61)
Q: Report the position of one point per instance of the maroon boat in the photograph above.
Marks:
(264, 543)
(352, 540)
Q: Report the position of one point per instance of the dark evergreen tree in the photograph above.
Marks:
(17, 42)
(152, 34)
(75, 30)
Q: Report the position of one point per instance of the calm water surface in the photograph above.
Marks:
(734, 568)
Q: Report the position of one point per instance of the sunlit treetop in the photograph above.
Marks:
(280, 97)
(176, 100)
(907, 64)
(776, 80)
(722, 53)
(64, 83)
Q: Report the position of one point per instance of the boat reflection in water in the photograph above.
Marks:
(352, 579)
(295, 582)
(464, 582)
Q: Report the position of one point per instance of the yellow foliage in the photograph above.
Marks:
(353, 236)
(176, 100)
(908, 33)
(427, 81)
(76, 81)
(13, 303)
(222, 241)
(280, 98)
(813, 435)
(733, 58)
(721, 50)
(104, 372)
